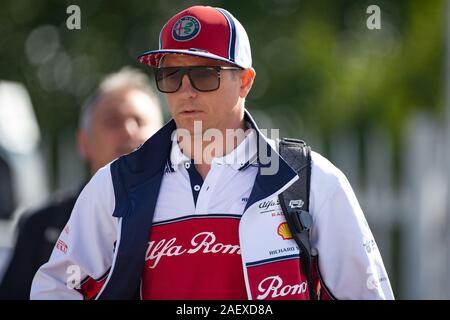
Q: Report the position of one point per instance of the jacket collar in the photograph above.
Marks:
(273, 172)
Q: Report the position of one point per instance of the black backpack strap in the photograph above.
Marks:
(294, 201)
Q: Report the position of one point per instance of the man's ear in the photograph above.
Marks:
(83, 144)
(247, 78)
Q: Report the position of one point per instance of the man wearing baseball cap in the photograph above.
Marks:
(199, 218)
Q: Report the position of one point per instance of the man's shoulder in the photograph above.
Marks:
(324, 169)
(100, 185)
(326, 178)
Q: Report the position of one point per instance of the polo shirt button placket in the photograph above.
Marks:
(195, 180)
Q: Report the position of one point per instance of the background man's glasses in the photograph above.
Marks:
(202, 78)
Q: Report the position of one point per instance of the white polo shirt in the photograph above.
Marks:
(196, 225)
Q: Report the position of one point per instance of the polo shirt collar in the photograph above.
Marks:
(238, 159)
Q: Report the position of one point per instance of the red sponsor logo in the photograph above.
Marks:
(203, 242)
(284, 232)
(61, 245)
(273, 287)
(278, 213)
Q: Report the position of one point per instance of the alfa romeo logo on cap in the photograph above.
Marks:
(185, 29)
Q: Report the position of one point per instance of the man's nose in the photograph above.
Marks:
(186, 86)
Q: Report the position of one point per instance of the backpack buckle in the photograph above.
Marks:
(302, 220)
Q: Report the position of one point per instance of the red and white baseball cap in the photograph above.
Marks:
(203, 31)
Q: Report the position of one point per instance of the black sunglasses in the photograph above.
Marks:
(202, 78)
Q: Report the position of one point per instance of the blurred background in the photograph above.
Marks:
(375, 102)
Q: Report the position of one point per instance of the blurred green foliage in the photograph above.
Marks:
(319, 68)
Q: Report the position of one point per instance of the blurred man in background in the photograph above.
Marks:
(120, 116)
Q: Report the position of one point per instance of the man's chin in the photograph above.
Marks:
(193, 126)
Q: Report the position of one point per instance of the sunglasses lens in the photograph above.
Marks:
(205, 79)
(168, 79)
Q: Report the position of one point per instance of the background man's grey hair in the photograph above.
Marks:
(125, 78)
